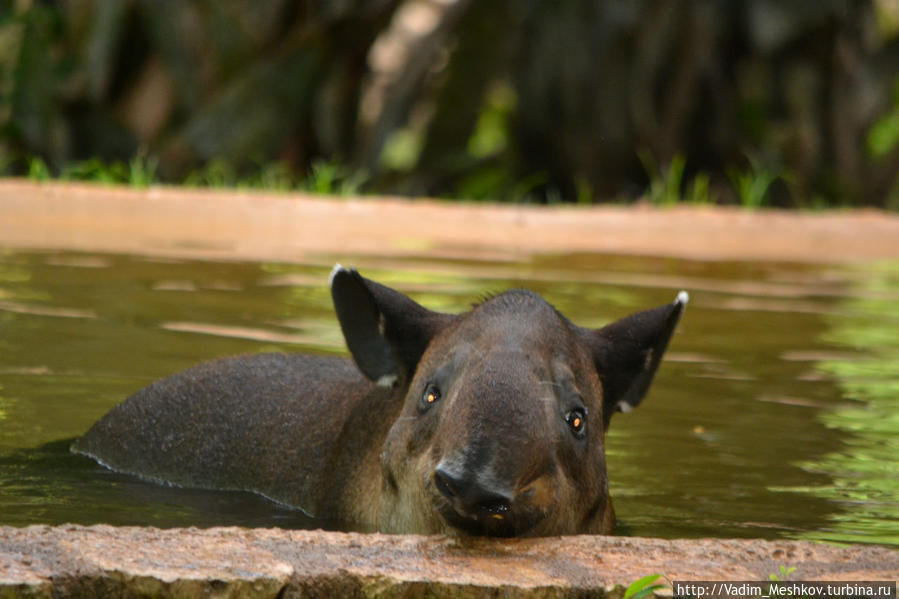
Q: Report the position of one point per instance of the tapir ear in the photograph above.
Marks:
(627, 354)
(385, 331)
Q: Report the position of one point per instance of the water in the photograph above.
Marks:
(775, 413)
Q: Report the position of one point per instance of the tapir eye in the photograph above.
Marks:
(430, 396)
(577, 422)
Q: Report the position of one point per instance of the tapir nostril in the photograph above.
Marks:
(469, 497)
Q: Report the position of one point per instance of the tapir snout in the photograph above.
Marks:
(490, 422)
(493, 456)
(473, 494)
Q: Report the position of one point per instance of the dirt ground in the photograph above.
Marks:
(240, 225)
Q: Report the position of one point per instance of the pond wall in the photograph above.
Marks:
(241, 225)
(103, 561)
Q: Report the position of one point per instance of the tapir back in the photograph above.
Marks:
(270, 423)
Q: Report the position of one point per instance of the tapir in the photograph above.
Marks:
(490, 422)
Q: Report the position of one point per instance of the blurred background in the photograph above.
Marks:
(756, 103)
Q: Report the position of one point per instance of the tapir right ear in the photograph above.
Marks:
(385, 331)
(627, 353)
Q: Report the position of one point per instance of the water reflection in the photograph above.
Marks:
(864, 471)
(774, 414)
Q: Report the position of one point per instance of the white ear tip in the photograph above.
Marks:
(386, 380)
(682, 298)
(337, 268)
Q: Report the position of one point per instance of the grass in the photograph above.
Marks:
(665, 182)
(700, 192)
(332, 178)
(324, 178)
(38, 171)
(141, 172)
(669, 184)
(216, 173)
(752, 185)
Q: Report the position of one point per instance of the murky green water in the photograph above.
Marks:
(776, 413)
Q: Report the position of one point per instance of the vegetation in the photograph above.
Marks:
(752, 186)
(140, 172)
(665, 187)
(783, 575)
(646, 587)
(756, 104)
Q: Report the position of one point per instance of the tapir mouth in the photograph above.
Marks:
(487, 525)
(499, 520)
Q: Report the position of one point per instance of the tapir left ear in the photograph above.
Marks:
(627, 354)
(386, 332)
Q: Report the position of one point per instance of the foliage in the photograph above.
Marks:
(37, 169)
(562, 101)
(646, 586)
(752, 185)
(487, 183)
(331, 178)
(402, 149)
(883, 136)
(701, 193)
(783, 575)
(665, 183)
(491, 133)
(140, 171)
(216, 173)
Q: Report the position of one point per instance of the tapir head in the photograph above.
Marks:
(505, 407)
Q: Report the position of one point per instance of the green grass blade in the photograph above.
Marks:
(641, 587)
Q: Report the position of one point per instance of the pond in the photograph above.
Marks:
(774, 414)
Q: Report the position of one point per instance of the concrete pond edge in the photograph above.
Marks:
(102, 561)
(296, 227)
